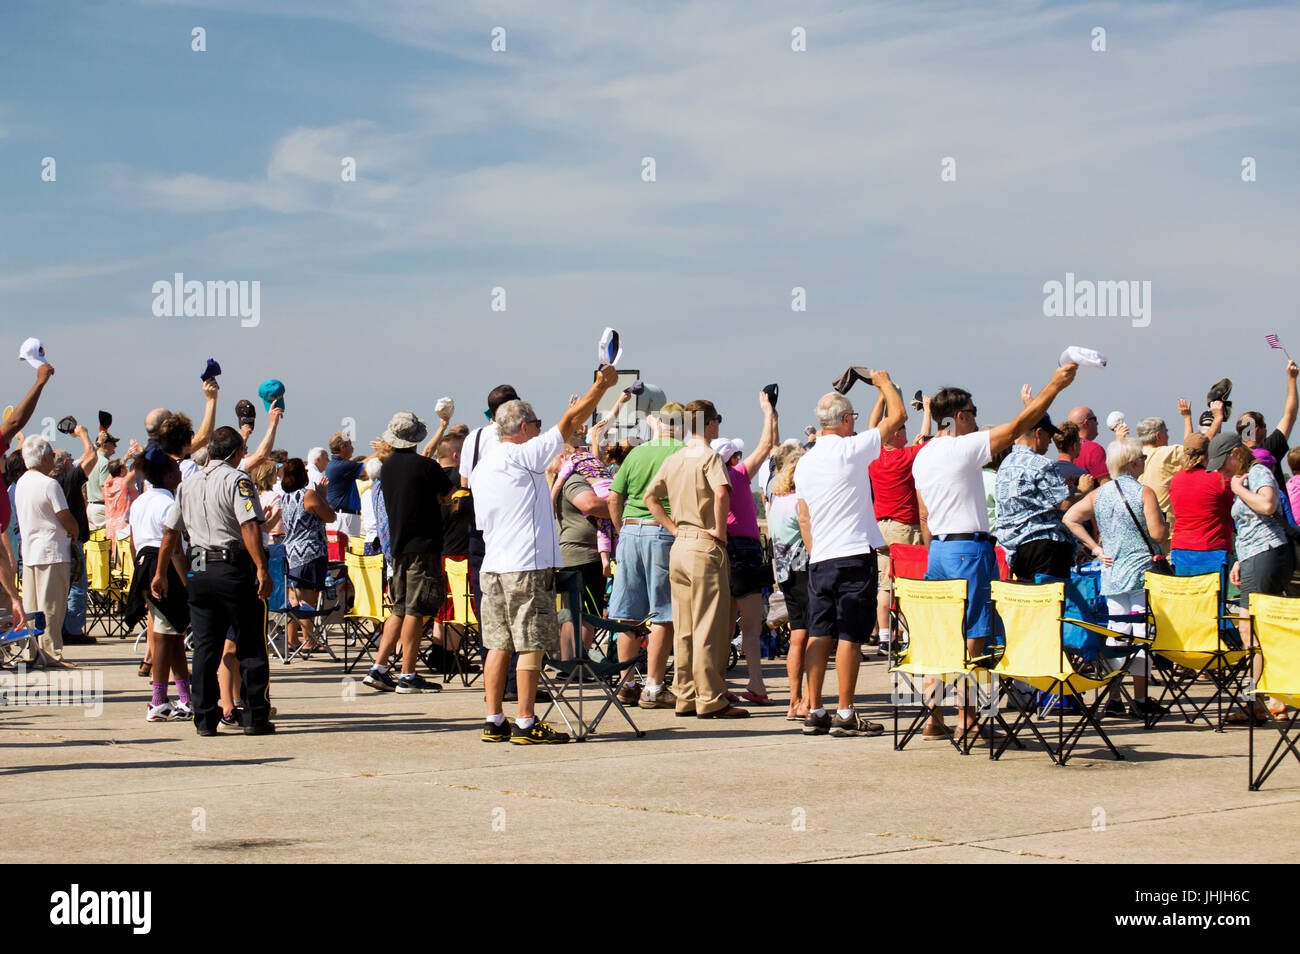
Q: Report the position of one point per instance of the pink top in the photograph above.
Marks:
(1293, 494)
(742, 521)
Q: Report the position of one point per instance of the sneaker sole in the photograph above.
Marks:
(855, 733)
(516, 740)
(814, 730)
(500, 738)
(408, 690)
(377, 685)
(655, 705)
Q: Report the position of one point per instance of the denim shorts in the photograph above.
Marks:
(641, 584)
(975, 562)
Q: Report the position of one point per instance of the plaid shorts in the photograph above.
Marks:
(517, 613)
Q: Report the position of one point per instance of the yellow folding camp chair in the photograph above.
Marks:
(1276, 627)
(1033, 615)
(1184, 614)
(99, 580)
(365, 617)
(934, 613)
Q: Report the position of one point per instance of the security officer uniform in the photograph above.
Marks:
(222, 591)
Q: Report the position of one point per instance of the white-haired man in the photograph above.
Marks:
(832, 479)
(512, 506)
(47, 529)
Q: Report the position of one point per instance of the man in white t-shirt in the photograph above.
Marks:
(47, 529)
(954, 515)
(512, 506)
(832, 480)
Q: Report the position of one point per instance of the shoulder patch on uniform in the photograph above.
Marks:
(244, 487)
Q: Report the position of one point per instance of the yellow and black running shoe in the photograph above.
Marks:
(539, 733)
(496, 733)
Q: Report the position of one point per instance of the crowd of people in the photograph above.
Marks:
(663, 526)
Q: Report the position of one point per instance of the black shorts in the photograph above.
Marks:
(310, 576)
(1052, 558)
(1268, 572)
(750, 572)
(795, 591)
(842, 597)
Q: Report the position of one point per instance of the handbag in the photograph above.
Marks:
(1158, 562)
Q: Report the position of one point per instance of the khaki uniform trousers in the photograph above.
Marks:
(700, 578)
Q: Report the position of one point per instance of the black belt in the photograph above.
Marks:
(222, 554)
(979, 537)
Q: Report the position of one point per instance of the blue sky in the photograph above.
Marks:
(522, 169)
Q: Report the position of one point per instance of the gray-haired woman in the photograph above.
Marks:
(1132, 528)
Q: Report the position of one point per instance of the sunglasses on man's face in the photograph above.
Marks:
(969, 410)
(718, 419)
(534, 420)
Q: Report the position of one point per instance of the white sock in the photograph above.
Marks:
(379, 669)
(886, 635)
(497, 719)
(819, 712)
(844, 713)
(526, 723)
(653, 688)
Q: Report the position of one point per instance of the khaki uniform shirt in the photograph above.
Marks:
(215, 502)
(691, 479)
(1162, 464)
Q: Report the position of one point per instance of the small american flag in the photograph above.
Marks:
(1275, 344)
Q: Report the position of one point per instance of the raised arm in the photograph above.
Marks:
(204, 433)
(895, 412)
(877, 411)
(1287, 420)
(596, 433)
(580, 410)
(926, 420)
(88, 455)
(24, 409)
(1003, 435)
(268, 441)
(1185, 410)
(431, 449)
(1216, 409)
(765, 443)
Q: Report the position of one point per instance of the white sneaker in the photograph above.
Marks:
(161, 713)
(183, 711)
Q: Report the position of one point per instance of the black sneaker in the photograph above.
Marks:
(234, 718)
(496, 733)
(854, 725)
(814, 725)
(1147, 708)
(383, 681)
(414, 682)
(1116, 708)
(261, 728)
(539, 733)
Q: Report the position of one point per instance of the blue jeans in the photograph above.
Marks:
(975, 562)
(74, 623)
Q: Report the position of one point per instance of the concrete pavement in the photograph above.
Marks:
(356, 775)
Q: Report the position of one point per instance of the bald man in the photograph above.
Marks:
(1092, 456)
(153, 420)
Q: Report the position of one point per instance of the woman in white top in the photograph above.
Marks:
(47, 530)
(151, 513)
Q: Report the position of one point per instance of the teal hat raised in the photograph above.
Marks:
(272, 394)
